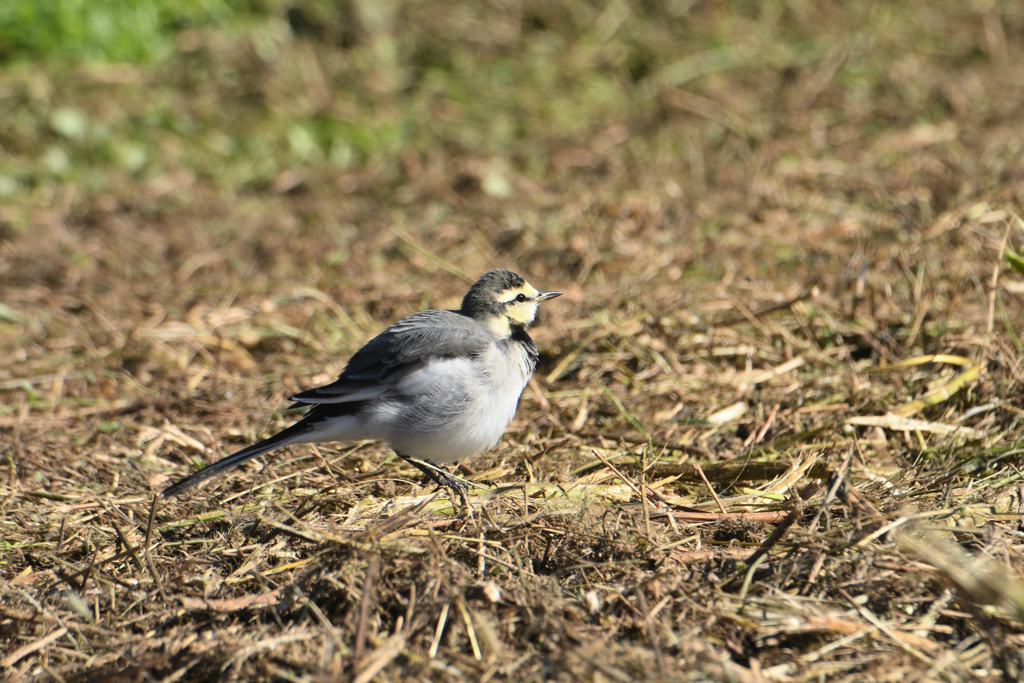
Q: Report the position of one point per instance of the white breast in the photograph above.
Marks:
(452, 409)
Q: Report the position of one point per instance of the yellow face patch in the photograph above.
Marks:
(522, 312)
(520, 308)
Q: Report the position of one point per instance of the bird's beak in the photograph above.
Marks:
(544, 296)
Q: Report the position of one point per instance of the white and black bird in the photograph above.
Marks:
(436, 386)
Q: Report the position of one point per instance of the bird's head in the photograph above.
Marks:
(504, 301)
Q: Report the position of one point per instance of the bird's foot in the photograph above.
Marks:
(454, 486)
(444, 480)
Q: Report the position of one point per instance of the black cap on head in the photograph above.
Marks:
(480, 296)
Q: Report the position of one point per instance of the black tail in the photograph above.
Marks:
(282, 438)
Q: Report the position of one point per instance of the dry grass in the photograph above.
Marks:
(774, 434)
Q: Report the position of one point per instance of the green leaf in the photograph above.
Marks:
(10, 315)
(1015, 260)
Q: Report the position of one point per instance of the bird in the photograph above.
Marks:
(438, 386)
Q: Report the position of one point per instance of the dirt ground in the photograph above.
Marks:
(774, 434)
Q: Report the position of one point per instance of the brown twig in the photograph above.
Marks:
(768, 422)
(718, 501)
(993, 290)
(790, 519)
(643, 493)
(235, 604)
(296, 516)
(34, 646)
(149, 557)
(835, 480)
(755, 470)
(382, 656)
(625, 480)
(364, 605)
(92, 563)
(692, 517)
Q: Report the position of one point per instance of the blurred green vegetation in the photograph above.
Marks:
(138, 31)
(237, 93)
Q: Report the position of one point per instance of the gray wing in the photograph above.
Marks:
(398, 351)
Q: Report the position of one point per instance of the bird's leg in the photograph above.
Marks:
(441, 478)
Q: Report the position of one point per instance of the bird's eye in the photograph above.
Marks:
(520, 298)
